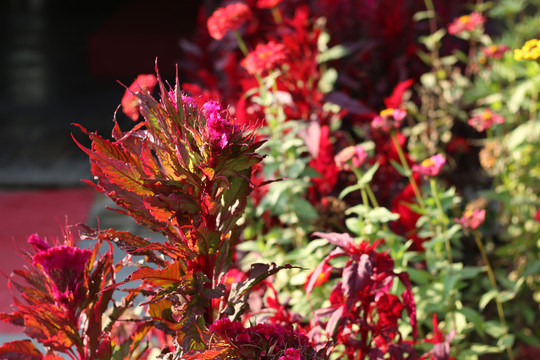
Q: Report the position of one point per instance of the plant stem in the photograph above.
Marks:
(444, 218)
(491, 276)
(241, 43)
(408, 170)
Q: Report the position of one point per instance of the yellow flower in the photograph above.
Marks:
(529, 51)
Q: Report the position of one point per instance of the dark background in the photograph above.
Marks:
(60, 63)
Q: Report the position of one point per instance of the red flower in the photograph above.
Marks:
(388, 119)
(485, 120)
(472, 219)
(431, 166)
(355, 154)
(130, 101)
(291, 354)
(495, 51)
(267, 4)
(466, 23)
(64, 265)
(537, 216)
(265, 57)
(228, 18)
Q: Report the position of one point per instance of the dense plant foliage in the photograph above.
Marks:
(330, 179)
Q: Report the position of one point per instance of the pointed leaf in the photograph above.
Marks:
(169, 276)
(20, 350)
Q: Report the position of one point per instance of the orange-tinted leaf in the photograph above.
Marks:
(170, 275)
(20, 350)
(53, 357)
(207, 355)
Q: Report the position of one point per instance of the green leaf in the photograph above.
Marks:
(381, 215)
(328, 78)
(486, 298)
(522, 134)
(532, 269)
(335, 52)
(421, 15)
(349, 189)
(506, 341)
(475, 318)
(494, 328)
(400, 169)
(368, 175)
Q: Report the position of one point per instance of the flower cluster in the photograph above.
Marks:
(529, 51)
(228, 18)
(472, 219)
(466, 23)
(485, 120)
(265, 57)
(261, 341)
(356, 155)
(388, 119)
(431, 166)
(495, 51)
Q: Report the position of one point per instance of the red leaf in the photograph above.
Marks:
(333, 322)
(394, 101)
(342, 240)
(357, 277)
(20, 350)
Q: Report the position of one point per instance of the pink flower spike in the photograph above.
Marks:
(431, 166)
(228, 18)
(472, 219)
(219, 129)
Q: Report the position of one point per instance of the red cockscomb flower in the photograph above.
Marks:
(130, 101)
(219, 129)
(63, 264)
(228, 18)
(264, 57)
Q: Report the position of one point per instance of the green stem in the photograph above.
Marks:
(276, 15)
(444, 219)
(409, 172)
(491, 276)
(241, 43)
